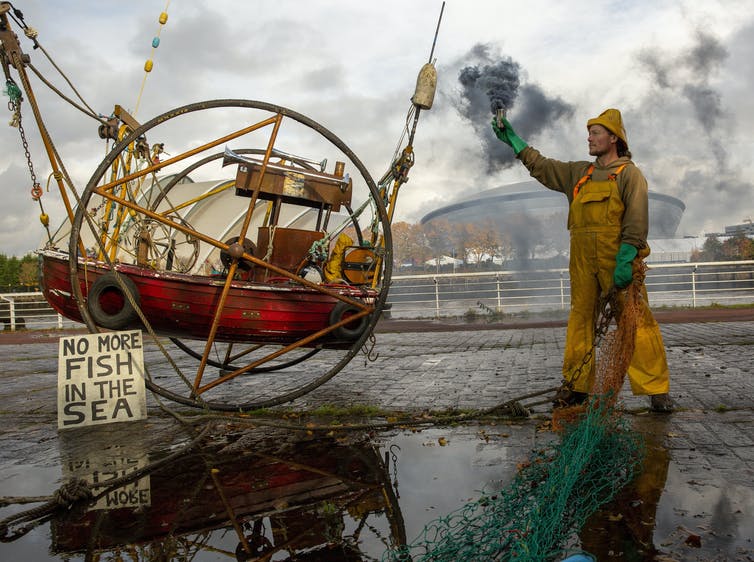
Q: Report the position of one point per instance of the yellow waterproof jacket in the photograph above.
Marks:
(563, 176)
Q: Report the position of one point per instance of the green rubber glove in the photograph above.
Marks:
(623, 274)
(508, 136)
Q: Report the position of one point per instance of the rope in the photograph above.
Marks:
(73, 491)
(270, 240)
(513, 408)
(148, 65)
(70, 493)
(32, 34)
(89, 112)
(319, 248)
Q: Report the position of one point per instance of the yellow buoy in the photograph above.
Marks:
(44, 219)
(426, 84)
(148, 65)
(163, 18)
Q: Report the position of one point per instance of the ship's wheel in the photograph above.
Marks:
(255, 271)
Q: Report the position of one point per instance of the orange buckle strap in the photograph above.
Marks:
(614, 175)
(583, 180)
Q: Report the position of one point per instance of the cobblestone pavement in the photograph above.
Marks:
(709, 439)
(465, 368)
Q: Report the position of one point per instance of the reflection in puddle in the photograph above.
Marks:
(674, 509)
(263, 496)
(623, 529)
(257, 498)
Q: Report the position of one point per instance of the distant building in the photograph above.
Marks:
(530, 198)
(535, 219)
(746, 228)
(673, 250)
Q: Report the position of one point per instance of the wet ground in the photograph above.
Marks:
(241, 492)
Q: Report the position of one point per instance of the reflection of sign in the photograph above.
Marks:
(101, 379)
(108, 464)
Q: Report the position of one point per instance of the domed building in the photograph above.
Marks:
(535, 217)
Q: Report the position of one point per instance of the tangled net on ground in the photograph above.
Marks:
(552, 494)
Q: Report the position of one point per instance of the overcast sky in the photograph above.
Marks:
(680, 71)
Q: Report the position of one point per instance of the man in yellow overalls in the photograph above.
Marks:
(608, 221)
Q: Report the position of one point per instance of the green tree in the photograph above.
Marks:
(28, 276)
(18, 273)
(9, 270)
(712, 250)
(738, 247)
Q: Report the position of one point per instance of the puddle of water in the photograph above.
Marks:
(259, 494)
(673, 510)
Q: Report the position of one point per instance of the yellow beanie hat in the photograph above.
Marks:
(612, 121)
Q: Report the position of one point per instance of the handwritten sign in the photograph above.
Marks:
(101, 379)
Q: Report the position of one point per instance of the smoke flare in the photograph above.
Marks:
(490, 81)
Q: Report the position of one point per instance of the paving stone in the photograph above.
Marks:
(712, 433)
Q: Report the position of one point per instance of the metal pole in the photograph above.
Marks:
(437, 298)
(693, 287)
(499, 293)
(12, 313)
(437, 30)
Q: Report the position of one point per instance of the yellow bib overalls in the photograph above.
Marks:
(594, 220)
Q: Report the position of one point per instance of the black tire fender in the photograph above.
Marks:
(109, 283)
(353, 330)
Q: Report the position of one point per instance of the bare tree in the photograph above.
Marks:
(409, 243)
(439, 238)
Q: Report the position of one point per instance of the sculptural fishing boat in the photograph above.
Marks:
(270, 270)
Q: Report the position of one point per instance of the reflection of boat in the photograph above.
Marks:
(287, 500)
(184, 305)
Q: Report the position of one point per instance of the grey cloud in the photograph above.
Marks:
(706, 56)
(684, 130)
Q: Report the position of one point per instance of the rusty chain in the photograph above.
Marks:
(14, 105)
(606, 312)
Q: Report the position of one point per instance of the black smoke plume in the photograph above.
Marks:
(689, 77)
(497, 82)
(689, 158)
(489, 82)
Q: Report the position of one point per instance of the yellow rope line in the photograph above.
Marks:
(148, 65)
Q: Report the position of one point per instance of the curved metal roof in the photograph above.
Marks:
(530, 196)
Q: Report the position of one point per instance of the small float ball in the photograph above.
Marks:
(235, 250)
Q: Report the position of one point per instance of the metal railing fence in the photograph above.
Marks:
(486, 293)
(30, 311)
(543, 290)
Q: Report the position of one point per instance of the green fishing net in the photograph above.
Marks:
(537, 517)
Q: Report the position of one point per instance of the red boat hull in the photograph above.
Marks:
(182, 305)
